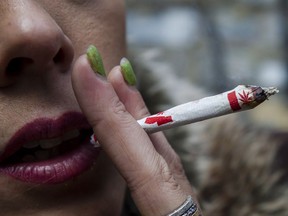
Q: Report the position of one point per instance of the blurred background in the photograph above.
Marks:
(219, 44)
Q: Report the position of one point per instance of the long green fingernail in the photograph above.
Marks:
(128, 72)
(95, 60)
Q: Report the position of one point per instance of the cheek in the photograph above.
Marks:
(110, 41)
(102, 25)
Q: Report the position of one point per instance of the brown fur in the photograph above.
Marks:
(236, 167)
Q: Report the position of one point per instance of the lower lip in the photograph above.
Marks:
(56, 170)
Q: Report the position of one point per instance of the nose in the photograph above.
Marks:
(31, 42)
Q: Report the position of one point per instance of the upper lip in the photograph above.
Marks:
(44, 128)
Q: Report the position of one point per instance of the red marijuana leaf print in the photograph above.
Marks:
(245, 97)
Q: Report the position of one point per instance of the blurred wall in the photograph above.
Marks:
(216, 43)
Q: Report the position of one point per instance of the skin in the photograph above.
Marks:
(38, 84)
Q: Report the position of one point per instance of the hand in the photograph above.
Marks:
(150, 167)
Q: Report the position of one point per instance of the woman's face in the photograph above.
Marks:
(47, 166)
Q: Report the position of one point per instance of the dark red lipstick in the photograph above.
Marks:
(50, 150)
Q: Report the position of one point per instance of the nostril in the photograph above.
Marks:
(59, 57)
(16, 65)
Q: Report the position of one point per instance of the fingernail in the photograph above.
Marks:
(95, 60)
(128, 72)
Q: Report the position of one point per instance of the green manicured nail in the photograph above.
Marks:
(128, 72)
(95, 60)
